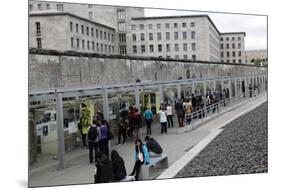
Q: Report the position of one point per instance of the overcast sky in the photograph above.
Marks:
(254, 26)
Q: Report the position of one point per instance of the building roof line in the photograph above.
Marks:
(67, 14)
(233, 33)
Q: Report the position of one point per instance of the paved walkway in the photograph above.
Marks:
(175, 144)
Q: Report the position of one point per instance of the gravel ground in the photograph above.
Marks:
(241, 148)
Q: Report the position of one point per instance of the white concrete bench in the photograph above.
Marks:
(128, 178)
(157, 162)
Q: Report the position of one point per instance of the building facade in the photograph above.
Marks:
(232, 47)
(67, 32)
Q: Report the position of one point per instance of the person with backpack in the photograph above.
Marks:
(104, 173)
(118, 164)
(93, 139)
(104, 138)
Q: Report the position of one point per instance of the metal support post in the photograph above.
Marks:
(179, 90)
(60, 131)
(137, 97)
(105, 104)
(193, 88)
(161, 92)
(230, 89)
(215, 85)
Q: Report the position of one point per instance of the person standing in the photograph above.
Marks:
(137, 124)
(104, 138)
(93, 139)
(148, 115)
(170, 115)
(131, 118)
(119, 170)
(180, 112)
(141, 157)
(189, 111)
(123, 124)
(104, 169)
(163, 119)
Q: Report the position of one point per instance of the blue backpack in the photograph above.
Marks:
(104, 132)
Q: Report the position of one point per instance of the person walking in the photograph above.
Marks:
(141, 157)
(153, 147)
(118, 165)
(131, 118)
(180, 112)
(122, 127)
(93, 139)
(163, 119)
(148, 116)
(104, 138)
(170, 115)
(188, 111)
(137, 124)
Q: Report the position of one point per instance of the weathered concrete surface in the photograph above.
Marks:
(63, 70)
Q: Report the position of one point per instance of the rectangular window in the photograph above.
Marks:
(167, 35)
(105, 48)
(88, 45)
(97, 47)
(168, 48)
(120, 14)
(227, 39)
(142, 48)
(123, 49)
(185, 57)
(193, 46)
(239, 38)
(104, 35)
(142, 36)
(77, 43)
(233, 45)
(233, 38)
(221, 54)
(92, 32)
(101, 47)
(133, 27)
(184, 46)
(93, 46)
(97, 33)
(121, 26)
(175, 25)
(30, 7)
(38, 28)
(221, 39)
(221, 46)
(90, 15)
(90, 6)
(134, 49)
(134, 37)
(122, 37)
(87, 31)
(176, 47)
(159, 36)
(112, 38)
(108, 36)
(227, 46)
(227, 54)
(83, 44)
(184, 24)
(141, 26)
(82, 29)
(77, 28)
(233, 61)
(239, 53)
(176, 35)
(149, 26)
(48, 6)
(72, 42)
(159, 48)
(109, 49)
(227, 61)
(192, 34)
(150, 36)
(60, 7)
(239, 45)
(39, 43)
(101, 35)
(151, 48)
(112, 49)
(184, 36)
(177, 57)
(240, 61)
(158, 26)
(233, 53)
(192, 24)
(194, 57)
(39, 6)
(167, 25)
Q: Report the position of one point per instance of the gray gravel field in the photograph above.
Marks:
(241, 148)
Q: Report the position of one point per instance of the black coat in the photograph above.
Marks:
(119, 170)
(104, 170)
(152, 145)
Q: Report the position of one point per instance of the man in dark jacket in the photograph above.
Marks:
(180, 112)
(154, 149)
(104, 169)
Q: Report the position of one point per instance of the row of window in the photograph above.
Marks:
(48, 7)
(233, 46)
(120, 14)
(159, 26)
(233, 61)
(233, 38)
(160, 48)
(167, 36)
(90, 31)
(91, 45)
(233, 54)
